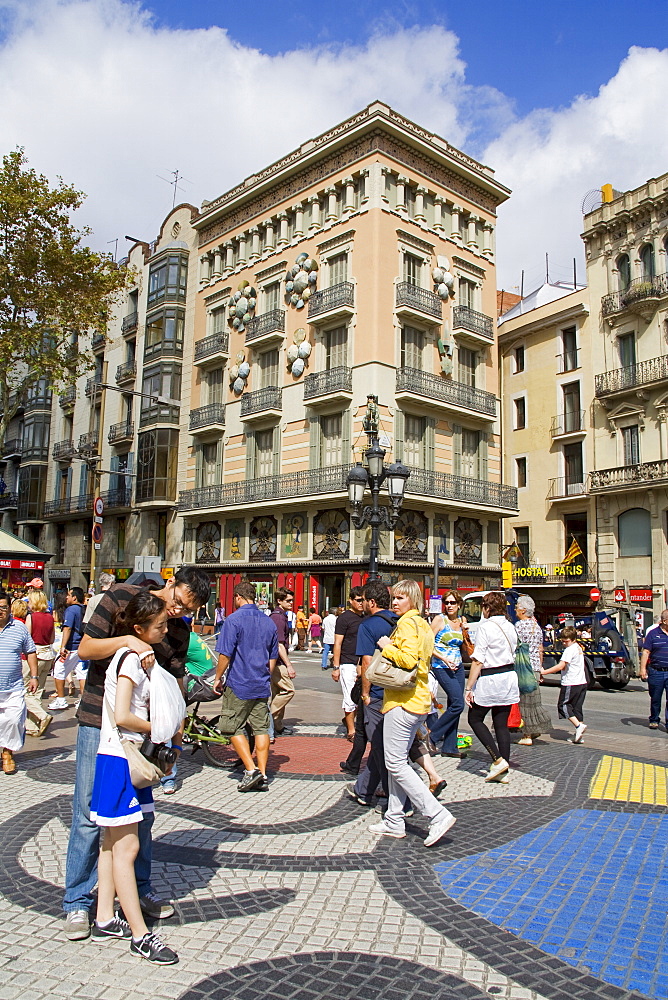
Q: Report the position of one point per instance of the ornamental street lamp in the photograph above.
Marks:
(375, 473)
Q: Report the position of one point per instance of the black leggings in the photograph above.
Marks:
(500, 715)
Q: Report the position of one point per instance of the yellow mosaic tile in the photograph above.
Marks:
(620, 780)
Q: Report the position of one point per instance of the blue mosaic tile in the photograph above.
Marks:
(589, 887)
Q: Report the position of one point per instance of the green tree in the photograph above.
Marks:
(55, 292)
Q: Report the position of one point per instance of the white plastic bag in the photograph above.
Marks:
(167, 707)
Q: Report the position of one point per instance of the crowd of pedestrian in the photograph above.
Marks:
(131, 648)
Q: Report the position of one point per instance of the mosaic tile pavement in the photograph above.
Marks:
(540, 891)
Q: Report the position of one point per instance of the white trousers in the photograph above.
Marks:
(12, 719)
(347, 678)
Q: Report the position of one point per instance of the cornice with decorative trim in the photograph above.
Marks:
(336, 241)
(466, 265)
(416, 241)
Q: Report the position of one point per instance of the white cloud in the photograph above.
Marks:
(95, 92)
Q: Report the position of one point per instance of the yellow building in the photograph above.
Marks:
(361, 263)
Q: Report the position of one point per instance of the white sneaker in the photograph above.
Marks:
(382, 830)
(439, 829)
(497, 768)
(579, 733)
(58, 703)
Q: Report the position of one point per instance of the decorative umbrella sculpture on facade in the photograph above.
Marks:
(298, 352)
(241, 306)
(300, 281)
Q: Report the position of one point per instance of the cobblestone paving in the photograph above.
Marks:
(287, 894)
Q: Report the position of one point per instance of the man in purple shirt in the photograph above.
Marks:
(247, 649)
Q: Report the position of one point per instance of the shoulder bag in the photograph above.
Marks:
(467, 643)
(526, 679)
(143, 772)
(387, 674)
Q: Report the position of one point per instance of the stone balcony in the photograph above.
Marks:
(444, 394)
(335, 384)
(212, 349)
(267, 402)
(475, 326)
(651, 372)
(419, 303)
(207, 419)
(332, 303)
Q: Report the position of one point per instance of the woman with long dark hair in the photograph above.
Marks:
(448, 669)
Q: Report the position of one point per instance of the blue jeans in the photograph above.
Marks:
(327, 648)
(84, 843)
(452, 682)
(657, 683)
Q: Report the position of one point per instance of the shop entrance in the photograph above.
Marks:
(333, 591)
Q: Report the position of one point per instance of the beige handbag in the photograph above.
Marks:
(386, 674)
(143, 772)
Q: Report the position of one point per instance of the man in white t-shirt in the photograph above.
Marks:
(328, 626)
(573, 682)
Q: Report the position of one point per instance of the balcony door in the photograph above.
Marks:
(412, 348)
(268, 364)
(631, 445)
(573, 468)
(331, 441)
(571, 398)
(336, 348)
(467, 363)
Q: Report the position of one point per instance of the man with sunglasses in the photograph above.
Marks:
(183, 595)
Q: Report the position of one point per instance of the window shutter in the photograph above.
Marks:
(482, 456)
(429, 443)
(219, 462)
(68, 477)
(59, 478)
(250, 455)
(456, 450)
(314, 442)
(399, 436)
(346, 457)
(276, 447)
(83, 479)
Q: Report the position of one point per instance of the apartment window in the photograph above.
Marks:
(331, 440)
(519, 359)
(624, 270)
(121, 469)
(272, 296)
(521, 472)
(626, 345)
(412, 347)
(167, 279)
(522, 542)
(634, 532)
(68, 428)
(268, 365)
(208, 465)
(63, 484)
(520, 413)
(214, 383)
(165, 382)
(338, 269)
(264, 452)
(412, 269)
(164, 333)
(36, 429)
(121, 525)
(130, 350)
(157, 457)
(573, 469)
(38, 396)
(467, 293)
(647, 262)
(467, 365)
(31, 491)
(572, 411)
(631, 444)
(470, 452)
(569, 349)
(218, 320)
(414, 440)
(336, 348)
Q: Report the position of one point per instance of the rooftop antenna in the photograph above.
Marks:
(575, 274)
(115, 242)
(547, 269)
(176, 177)
(522, 285)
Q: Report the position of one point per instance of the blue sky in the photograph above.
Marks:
(558, 99)
(540, 54)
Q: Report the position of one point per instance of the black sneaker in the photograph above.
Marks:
(152, 949)
(250, 780)
(116, 928)
(343, 766)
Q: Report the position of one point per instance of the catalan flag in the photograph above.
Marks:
(573, 552)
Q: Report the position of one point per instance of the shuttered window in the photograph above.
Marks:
(336, 348)
(338, 269)
(412, 348)
(467, 365)
(268, 364)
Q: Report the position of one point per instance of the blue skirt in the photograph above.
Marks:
(115, 800)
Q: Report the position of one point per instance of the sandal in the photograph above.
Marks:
(526, 741)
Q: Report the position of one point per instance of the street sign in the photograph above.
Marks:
(506, 574)
(99, 506)
(97, 534)
(595, 594)
(98, 520)
(436, 605)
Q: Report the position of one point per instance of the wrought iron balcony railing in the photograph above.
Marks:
(8, 500)
(94, 385)
(637, 292)
(63, 450)
(217, 343)
(129, 322)
(341, 296)
(445, 390)
(421, 299)
(272, 321)
(560, 489)
(126, 372)
(269, 398)
(99, 340)
(88, 441)
(644, 474)
(117, 498)
(332, 479)
(325, 383)
(205, 416)
(69, 505)
(122, 431)
(642, 373)
(12, 448)
(68, 397)
(464, 318)
(568, 423)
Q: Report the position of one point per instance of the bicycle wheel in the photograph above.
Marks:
(217, 754)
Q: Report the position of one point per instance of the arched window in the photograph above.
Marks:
(634, 533)
(647, 262)
(624, 269)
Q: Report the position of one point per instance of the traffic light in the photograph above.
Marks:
(506, 575)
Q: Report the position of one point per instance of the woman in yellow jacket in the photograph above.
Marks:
(411, 644)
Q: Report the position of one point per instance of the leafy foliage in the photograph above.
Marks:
(55, 292)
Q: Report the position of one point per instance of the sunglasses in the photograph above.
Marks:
(449, 602)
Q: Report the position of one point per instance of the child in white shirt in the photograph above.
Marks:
(573, 682)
